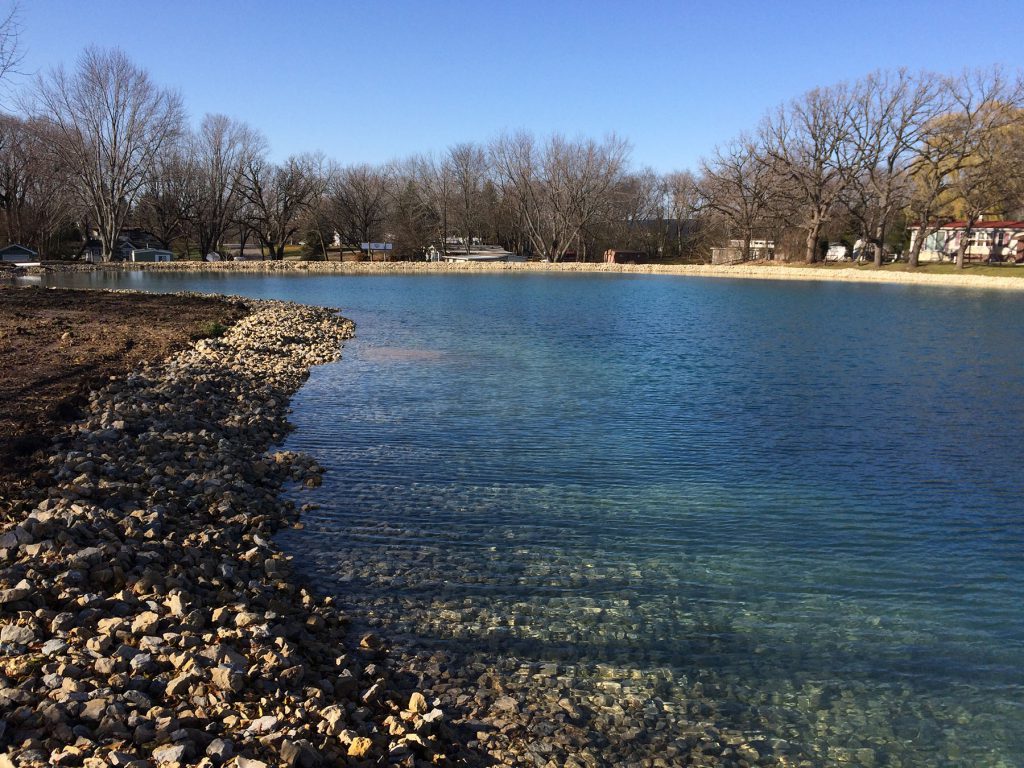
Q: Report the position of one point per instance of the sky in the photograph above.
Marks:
(378, 80)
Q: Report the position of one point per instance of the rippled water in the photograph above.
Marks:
(805, 496)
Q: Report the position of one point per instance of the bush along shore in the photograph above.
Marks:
(147, 617)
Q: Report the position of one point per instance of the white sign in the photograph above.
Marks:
(376, 246)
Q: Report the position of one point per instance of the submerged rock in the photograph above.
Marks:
(146, 615)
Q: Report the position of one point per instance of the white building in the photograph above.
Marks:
(989, 241)
(760, 250)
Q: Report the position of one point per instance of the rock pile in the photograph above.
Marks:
(753, 270)
(146, 616)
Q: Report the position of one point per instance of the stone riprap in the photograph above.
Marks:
(147, 617)
(751, 271)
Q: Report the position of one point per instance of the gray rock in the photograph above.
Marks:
(94, 709)
(53, 647)
(299, 753)
(14, 595)
(264, 724)
(170, 754)
(12, 633)
(220, 749)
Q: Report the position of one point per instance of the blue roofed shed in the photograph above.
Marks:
(150, 254)
(18, 254)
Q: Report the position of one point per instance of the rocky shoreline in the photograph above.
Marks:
(754, 271)
(146, 615)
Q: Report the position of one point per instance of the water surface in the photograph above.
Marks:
(806, 496)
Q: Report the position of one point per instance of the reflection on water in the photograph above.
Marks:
(799, 504)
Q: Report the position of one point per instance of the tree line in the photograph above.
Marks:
(867, 158)
(102, 147)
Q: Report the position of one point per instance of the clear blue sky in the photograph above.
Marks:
(370, 81)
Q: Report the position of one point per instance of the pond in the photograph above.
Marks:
(801, 500)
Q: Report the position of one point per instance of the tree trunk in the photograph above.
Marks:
(879, 244)
(243, 238)
(204, 243)
(444, 228)
(961, 248)
(965, 239)
(915, 250)
(811, 245)
(109, 238)
(925, 216)
(323, 243)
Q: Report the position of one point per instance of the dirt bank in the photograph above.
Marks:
(56, 345)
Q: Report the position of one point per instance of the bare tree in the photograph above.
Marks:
(437, 182)
(561, 189)
(242, 222)
(587, 178)
(15, 172)
(220, 151)
(317, 223)
(641, 220)
(890, 113)
(111, 123)
(954, 159)
(468, 170)
(32, 196)
(278, 195)
(11, 53)
(738, 183)
(358, 203)
(990, 183)
(686, 205)
(1015, 160)
(988, 115)
(810, 142)
(411, 219)
(169, 196)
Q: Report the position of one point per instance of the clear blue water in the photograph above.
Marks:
(807, 496)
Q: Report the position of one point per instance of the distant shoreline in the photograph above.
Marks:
(742, 271)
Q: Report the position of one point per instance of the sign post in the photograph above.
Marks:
(371, 247)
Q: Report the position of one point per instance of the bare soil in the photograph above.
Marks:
(57, 345)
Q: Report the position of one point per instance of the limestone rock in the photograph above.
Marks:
(18, 635)
(360, 747)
